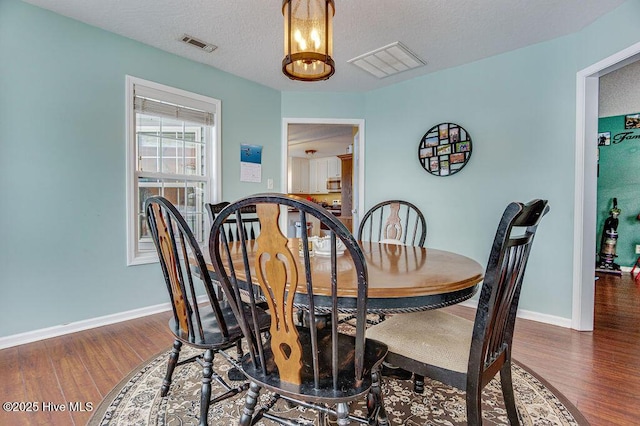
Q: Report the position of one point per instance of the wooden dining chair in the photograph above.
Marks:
(312, 366)
(465, 354)
(250, 227)
(211, 327)
(394, 221)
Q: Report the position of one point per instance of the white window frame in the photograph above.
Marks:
(213, 166)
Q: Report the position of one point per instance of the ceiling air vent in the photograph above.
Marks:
(388, 60)
(207, 47)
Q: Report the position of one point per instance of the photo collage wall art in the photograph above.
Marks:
(445, 149)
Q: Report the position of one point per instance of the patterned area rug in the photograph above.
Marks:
(136, 400)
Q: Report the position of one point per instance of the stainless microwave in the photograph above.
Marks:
(334, 185)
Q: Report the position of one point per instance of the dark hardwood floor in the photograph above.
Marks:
(599, 372)
(77, 368)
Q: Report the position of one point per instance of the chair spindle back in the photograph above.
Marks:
(289, 276)
(498, 303)
(177, 247)
(250, 223)
(394, 220)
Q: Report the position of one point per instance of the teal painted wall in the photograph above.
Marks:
(521, 121)
(619, 177)
(322, 105)
(62, 222)
(62, 163)
(519, 108)
(609, 34)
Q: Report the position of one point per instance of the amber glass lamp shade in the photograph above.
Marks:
(308, 39)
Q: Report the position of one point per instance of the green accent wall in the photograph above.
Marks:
(619, 177)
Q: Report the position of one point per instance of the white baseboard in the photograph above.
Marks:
(537, 316)
(530, 315)
(59, 330)
(72, 327)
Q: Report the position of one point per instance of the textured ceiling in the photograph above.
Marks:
(248, 33)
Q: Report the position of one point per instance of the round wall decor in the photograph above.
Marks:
(445, 149)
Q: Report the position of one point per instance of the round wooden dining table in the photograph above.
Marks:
(407, 278)
(400, 278)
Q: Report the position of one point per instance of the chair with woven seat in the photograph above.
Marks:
(312, 366)
(211, 327)
(462, 353)
(395, 222)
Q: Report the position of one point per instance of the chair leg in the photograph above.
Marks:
(506, 383)
(342, 410)
(234, 374)
(375, 402)
(239, 351)
(205, 393)
(418, 384)
(474, 409)
(249, 405)
(173, 360)
(323, 419)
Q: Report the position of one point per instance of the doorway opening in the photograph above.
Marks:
(322, 145)
(587, 96)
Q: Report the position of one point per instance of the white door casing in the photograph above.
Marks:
(585, 191)
(358, 157)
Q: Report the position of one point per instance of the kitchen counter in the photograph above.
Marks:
(335, 210)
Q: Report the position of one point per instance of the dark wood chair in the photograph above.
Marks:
(468, 354)
(312, 366)
(211, 327)
(250, 221)
(250, 228)
(394, 221)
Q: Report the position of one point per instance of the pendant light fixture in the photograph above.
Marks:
(308, 39)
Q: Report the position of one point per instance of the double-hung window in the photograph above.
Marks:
(173, 151)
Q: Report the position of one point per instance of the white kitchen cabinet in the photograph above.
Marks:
(318, 172)
(321, 169)
(334, 166)
(298, 175)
